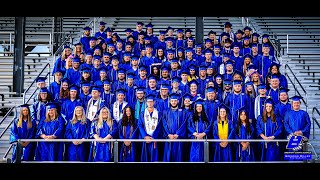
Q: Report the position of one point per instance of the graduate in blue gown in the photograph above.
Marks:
(60, 63)
(297, 121)
(104, 128)
(53, 127)
(211, 103)
(38, 109)
(265, 62)
(222, 128)
(85, 95)
(244, 130)
(23, 128)
(107, 96)
(269, 127)
(128, 129)
(199, 127)
(162, 102)
(73, 74)
(275, 69)
(130, 89)
(54, 87)
(175, 122)
(70, 104)
(150, 127)
(77, 128)
(274, 90)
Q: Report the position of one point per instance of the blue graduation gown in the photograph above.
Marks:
(155, 92)
(130, 95)
(128, 153)
(54, 89)
(197, 148)
(211, 108)
(118, 85)
(38, 112)
(281, 109)
(59, 65)
(184, 88)
(51, 151)
(95, 74)
(84, 40)
(23, 133)
(102, 151)
(174, 122)
(270, 150)
(264, 65)
(274, 94)
(73, 75)
(67, 108)
(283, 81)
(109, 99)
(297, 120)
(150, 151)
(77, 131)
(223, 154)
(84, 99)
(138, 82)
(248, 154)
(202, 85)
(235, 102)
(162, 104)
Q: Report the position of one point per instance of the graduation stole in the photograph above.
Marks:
(151, 122)
(138, 110)
(223, 130)
(116, 113)
(92, 109)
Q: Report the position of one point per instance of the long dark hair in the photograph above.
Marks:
(248, 128)
(203, 115)
(127, 120)
(272, 115)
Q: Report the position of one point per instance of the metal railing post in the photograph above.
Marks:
(19, 152)
(305, 149)
(287, 44)
(206, 151)
(115, 151)
(10, 42)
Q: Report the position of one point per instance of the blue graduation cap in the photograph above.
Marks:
(51, 105)
(106, 81)
(202, 67)
(247, 28)
(66, 46)
(88, 53)
(74, 87)
(174, 96)
(128, 30)
(207, 40)
(107, 54)
(224, 34)
(78, 44)
(149, 45)
(142, 68)
(179, 30)
(218, 76)
(150, 97)
(239, 32)
(169, 39)
(67, 80)
(249, 83)
(169, 28)
(93, 39)
(76, 59)
(140, 23)
(87, 28)
(187, 96)
(103, 69)
(140, 89)
(164, 68)
(131, 76)
(86, 70)
(199, 101)
(237, 82)
(85, 84)
(147, 38)
(41, 79)
(235, 45)
(227, 24)
(265, 36)
(176, 79)
(109, 29)
(174, 60)
(223, 106)
(97, 57)
(255, 34)
(134, 58)
(152, 77)
(121, 71)
(208, 50)
(142, 33)
(275, 64)
(274, 76)
(189, 50)
(217, 46)
(228, 40)
(115, 57)
(188, 30)
(25, 105)
(283, 89)
(96, 88)
(242, 109)
(184, 71)
(101, 23)
(190, 39)
(296, 98)
(248, 56)
(211, 89)
(180, 49)
(252, 66)
(254, 45)
(44, 90)
(265, 45)
(121, 91)
(262, 86)
(192, 67)
(199, 45)
(227, 82)
(162, 32)
(170, 51)
(229, 62)
(164, 86)
(269, 101)
(246, 38)
(211, 32)
(193, 82)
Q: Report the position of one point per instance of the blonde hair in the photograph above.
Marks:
(74, 119)
(55, 116)
(100, 119)
(219, 118)
(29, 122)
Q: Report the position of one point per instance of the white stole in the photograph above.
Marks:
(93, 108)
(257, 107)
(150, 123)
(116, 114)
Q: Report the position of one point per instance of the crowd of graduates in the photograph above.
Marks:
(162, 87)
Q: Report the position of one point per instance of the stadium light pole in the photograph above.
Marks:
(199, 30)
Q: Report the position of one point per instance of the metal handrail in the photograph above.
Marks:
(7, 114)
(314, 119)
(25, 92)
(7, 127)
(58, 51)
(294, 85)
(7, 152)
(314, 151)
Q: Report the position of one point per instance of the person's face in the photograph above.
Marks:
(143, 73)
(120, 97)
(130, 81)
(95, 94)
(255, 77)
(212, 36)
(274, 70)
(187, 102)
(86, 75)
(236, 77)
(237, 87)
(164, 74)
(106, 87)
(203, 73)
(128, 112)
(247, 60)
(115, 62)
(268, 107)
(243, 116)
(218, 80)
(193, 87)
(139, 27)
(184, 77)
(87, 32)
(250, 88)
(170, 56)
(73, 93)
(229, 67)
(216, 50)
(236, 49)
(79, 112)
(222, 113)
(88, 59)
(275, 82)
(139, 95)
(128, 48)
(208, 56)
(104, 113)
(296, 105)
(134, 62)
(150, 104)
(152, 83)
(103, 74)
(192, 71)
(25, 111)
(121, 76)
(283, 96)
(238, 35)
(155, 70)
(43, 95)
(51, 112)
(85, 89)
(164, 91)
(199, 108)
(65, 86)
(106, 59)
(96, 63)
(211, 95)
(160, 52)
(174, 102)
(175, 84)
(262, 91)
(76, 65)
